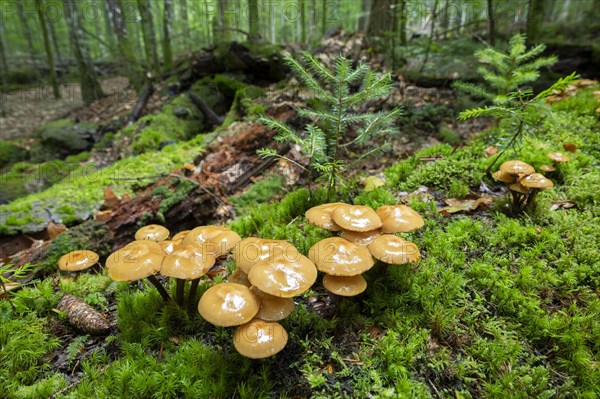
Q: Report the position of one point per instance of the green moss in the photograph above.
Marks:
(260, 192)
(83, 194)
(11, 153)
(583, 104)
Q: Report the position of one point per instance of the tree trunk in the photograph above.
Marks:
(381, 19)
(167, 51)
(535, 11)
(323, 17)
(88, 80)
(149, 36)
(402, 22)
(363, 20)
(42, 19)
(134, 71)
(492, 22)
(3, 71)
(431, 34)
(222, 26)
(54, 38)
(302, 21)
(109, 32)
(26, 31)
(183, 9)
(254, 24)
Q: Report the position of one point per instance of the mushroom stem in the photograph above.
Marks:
(516, 201)
(180, 291)
(160, 288)
(531, 197)
(192, 293)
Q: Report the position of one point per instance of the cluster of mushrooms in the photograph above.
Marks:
(269, 273)
(344, 258)
(523, 183)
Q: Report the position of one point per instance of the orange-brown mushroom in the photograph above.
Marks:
(251, 250)
(283, 277)
(356, 218)
(362, 238)
(399, 219)
(345, 285)
(154, 232)
(78, 260)
(273, 308)
(340, 257)
(515, 168)
(321, 216)
(258, 339)
(228, 304)
(394, 250)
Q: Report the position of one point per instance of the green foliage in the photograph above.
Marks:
(322, 140)
(11, 153)
(260, 192)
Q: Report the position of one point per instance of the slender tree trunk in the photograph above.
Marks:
(323, 17)
(109, 33)
(3, 71)
(149, 36)
(363, 20)
(42, 19)
(253, 21)
(302, 21)
(26, 32)
(381, 19)
(167, 51)
(134, 71)
(402, 22)
(183, 9)
(88, 80)
(492, 22)
(431, 34)
(54, 38)
(535, 12)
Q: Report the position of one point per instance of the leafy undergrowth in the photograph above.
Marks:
(498, 307)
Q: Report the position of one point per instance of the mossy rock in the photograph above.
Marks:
(11, 153)
(63, 137)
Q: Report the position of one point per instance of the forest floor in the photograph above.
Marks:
(499, 306)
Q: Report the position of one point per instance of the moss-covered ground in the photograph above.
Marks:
(498, 306)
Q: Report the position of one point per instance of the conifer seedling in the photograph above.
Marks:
(342, 123)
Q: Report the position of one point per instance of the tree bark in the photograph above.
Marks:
(302, 5)
(381, 19)
(323, 17)
(108, 28)
(535, 12)
(253, 22)
(26, 31)
(88, 80)
(431, 33)
(42, 19)
(183, 9)
(133, 69)
(3, 71)
(491, 22)
(402, 22)
(167, 51)
(54, 38)
(149, 36)
(363, 20)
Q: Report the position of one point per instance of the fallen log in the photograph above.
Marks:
(145, 94)
(206, 110)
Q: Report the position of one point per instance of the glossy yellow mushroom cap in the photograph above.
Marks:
(228, 304)
(394, 250)
(321, 216)
(259, 339)
(345, 285)
(356, 218)
(283, 277)
(78, 260)
(536, 180)
(187, 262)
(273, 308)
(339, 257)
(362, 238)
(516, 167)
(251, 250)
(399, 219)
(153, 232)
(558, 157)
(504, 177)
(133, 262)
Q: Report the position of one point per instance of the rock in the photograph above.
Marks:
(65, 137)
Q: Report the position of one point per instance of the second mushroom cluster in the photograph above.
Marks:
(522, 182)
(364, 234)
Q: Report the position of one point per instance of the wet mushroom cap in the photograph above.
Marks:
(320, 215)
(273, 308)
(399, 219)
(181, 235)
(154, 232)
(356, 218)
(518, 188)
(239, 277)
(516, 167)
(133, 262)
(187, 262)
(222, 243)
(168, 246)
(251, 250)
(394, 250)
(152, 246)
(345, 285)
(78, 260)
(283, 277)
(558, 157)
(201, 234)
(362, 238)
(536, 180)
(340, 257)
(258, 339)
(504, 177)
(228, 304)
(547, 168)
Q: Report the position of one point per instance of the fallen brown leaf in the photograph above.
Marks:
(491, 150)
(570, 147)
(456, 205)
(562, 205)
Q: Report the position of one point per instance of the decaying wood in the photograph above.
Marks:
(82, 316)
(206, 110)
(145, 94)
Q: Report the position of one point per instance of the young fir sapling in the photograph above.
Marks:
(343, 91)
(506, 76)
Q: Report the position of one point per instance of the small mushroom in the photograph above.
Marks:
(222, 243)
(399, 219)
(536, 182)
(201, 234)
(345, 285)
(547, 168)
(340, 257)
(273, 308)
(78, 260)
(356, 218)
(239, 277)
(228, 304)
(321, 216)
(168, 246)
(363, 238)
(251, 250)
(258, 339)
(181, 235)
(516, 168)
(558, 157)
(152, 232)
(394, 250)
(283, 277)
(186, 262)
(136, 261)
(504, 177)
